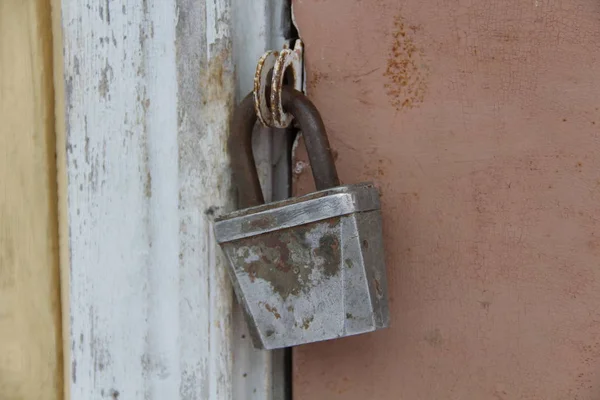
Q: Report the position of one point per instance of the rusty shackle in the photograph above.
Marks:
(304, 111)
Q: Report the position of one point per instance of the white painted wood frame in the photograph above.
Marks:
(149, 90)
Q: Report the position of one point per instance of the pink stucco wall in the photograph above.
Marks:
(480, 122)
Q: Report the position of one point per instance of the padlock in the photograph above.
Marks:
(309, 268)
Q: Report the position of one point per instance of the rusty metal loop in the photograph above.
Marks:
(288, 60)
(265, 64)
(271, 113)
(315, 136)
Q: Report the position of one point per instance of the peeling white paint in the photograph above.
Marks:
(149, 90)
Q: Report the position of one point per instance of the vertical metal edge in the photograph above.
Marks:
(258, 26)
(281, 186)
(282, 190)
(282, 147)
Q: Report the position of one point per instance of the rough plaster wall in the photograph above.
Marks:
(479, 120)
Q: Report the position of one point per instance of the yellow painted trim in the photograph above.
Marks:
(30, 312)
(61, 163)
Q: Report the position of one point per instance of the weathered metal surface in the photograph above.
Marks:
(313, 207)
(288, 71)
(273, 70)
(242, 160)
(265, 65)
(314, 274)
(490, 193)
(285, 254)
(309, 281)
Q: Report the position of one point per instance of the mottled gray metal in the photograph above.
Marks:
(316, 206)
(310, 268)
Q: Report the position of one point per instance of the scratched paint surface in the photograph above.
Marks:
(149, 88)
(479, 120)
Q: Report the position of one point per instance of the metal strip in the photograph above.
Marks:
(259, 25)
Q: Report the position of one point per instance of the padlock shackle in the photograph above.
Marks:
(315, 137)
(245, 175)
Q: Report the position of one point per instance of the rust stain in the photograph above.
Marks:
(288, 65)
(251, 270)
(377, 171)
(286, 259)
(378, 287)
(215, 81)
(306, 322)
(272, 310)
(329, 249)
(315, 78)
(406, 71)
(259, 223)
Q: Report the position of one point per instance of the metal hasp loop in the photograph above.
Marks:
(315, 136)
(285, 68)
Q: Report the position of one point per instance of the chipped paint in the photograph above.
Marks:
(142, 202)
(146, 157)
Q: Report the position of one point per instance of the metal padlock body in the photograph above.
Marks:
(309, 268)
